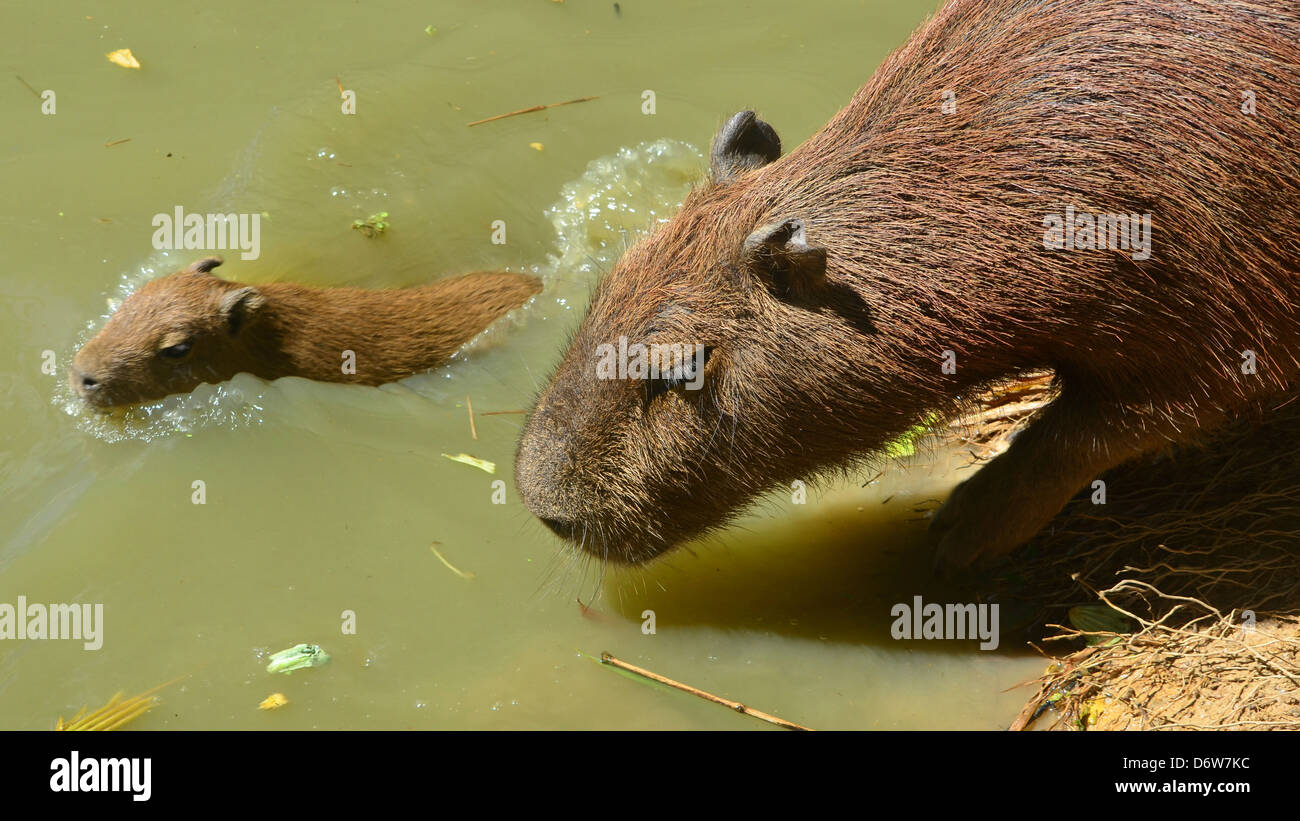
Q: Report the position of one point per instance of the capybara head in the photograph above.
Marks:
(149, 347)
(749, 344)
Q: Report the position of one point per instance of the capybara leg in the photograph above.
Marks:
(1001, 507)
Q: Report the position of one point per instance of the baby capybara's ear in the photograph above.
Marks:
(203, 266)
(780, 255)
(239, 307)
(745, 142)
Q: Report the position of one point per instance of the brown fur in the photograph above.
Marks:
(924, 233)
(283, 329)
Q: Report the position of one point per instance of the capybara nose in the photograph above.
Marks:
(541, 478)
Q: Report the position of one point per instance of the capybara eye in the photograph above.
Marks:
(654, 388)
(178, 351)
(686, 374)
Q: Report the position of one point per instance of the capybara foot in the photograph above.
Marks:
(985, 518)
(1072, 441)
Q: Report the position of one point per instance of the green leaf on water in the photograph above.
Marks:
(298, 657)
(372, 225)
(466, 459)
(649, 682)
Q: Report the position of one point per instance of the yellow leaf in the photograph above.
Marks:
(124, 58)
(273, 702)
(535, 146)
(1091, 711)
(115, 713)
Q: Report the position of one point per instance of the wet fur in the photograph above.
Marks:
(932, 226)
(283, 329)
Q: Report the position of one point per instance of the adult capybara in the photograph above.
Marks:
(191, 327)
(916, 248)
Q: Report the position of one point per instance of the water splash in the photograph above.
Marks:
(618, 199)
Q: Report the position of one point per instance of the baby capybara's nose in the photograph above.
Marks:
(82, 382)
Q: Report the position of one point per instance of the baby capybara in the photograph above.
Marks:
(191, 327)
(917, 247)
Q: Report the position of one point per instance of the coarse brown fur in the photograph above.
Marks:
(181, 330)
(829, 283)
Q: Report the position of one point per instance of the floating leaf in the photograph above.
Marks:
(466, 459)
(536, 146)
(373, 224)
(124, 58)
(273, 702)
(298, 657)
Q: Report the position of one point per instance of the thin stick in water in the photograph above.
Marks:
(29, 86)
(529, 110)
(453, 568)
(606, 658)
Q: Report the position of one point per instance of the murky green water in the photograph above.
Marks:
(322, 499)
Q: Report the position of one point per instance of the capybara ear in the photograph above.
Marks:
(745, 142)
(239, 306)
(203, 266)
(779, 252)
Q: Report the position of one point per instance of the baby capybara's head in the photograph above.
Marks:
(149, 347)
(707, 355)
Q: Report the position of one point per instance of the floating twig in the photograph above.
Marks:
(606, 658)
(530, 110)
(501, 413)
(453, 568)
(472, 431)
(112, 143)
(29, 86)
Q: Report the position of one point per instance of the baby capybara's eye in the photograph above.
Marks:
(178, 351)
